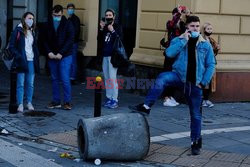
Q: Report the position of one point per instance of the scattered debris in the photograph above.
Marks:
(52, 160)
(67, 155)
(77, 160)
(20, 144)
(97, 162)
(4, 132)
(53, 149)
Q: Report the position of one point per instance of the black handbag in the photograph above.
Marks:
(7, 58)
(119, 56)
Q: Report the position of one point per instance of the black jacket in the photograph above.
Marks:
(76, 23)
(60, 41)
(17, 48)
(102, 48)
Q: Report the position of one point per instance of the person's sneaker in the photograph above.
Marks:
(174, 101)
(140, 108)
(204, 103)
(53, 105)
(169, 103)
(195, 148)
(20, 108)
(113, 104)
(67, 106)
(209, 103)
(30, 107)
(107, 102)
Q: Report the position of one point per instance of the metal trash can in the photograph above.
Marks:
(114, 137)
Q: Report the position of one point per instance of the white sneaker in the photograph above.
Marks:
(20, 108)
(30, 107)
(204, 103)
(209, 103)
(169, 103)
(174, 101)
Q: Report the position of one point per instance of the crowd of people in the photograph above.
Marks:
(189, 62)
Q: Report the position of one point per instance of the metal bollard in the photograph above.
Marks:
(98, 98)
(123, 137)
(13, 80)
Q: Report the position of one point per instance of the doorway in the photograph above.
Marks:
(3, 21)
(126, 17)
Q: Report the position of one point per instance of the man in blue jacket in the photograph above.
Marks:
(193, 69)
(58, 43)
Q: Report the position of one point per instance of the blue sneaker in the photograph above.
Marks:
(113, 104)
(107, 102)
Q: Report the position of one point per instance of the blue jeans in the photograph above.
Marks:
(27, 80)
(192, 93)
(74, 62)
(60, 72)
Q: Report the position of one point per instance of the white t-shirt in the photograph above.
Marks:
(28, 46)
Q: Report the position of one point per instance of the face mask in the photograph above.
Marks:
(207, 33)
(70, 11)
(194, 34)
(57, 18)
(109, 20)
(29, 22)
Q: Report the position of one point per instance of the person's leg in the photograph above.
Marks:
(112, 85)
(194, 98)
(105, 68)
(74, 62)
(20, 88)
(206, 94)
(55, 77)
(65, 65)
(112, 76)
(29, 81)
(163, 80)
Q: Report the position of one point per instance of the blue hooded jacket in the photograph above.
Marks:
(17, 49)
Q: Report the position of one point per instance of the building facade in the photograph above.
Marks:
(143, 22)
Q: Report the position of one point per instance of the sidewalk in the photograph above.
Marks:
(226, 127)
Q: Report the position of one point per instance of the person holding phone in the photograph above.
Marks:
(192, 70)
(107, 34)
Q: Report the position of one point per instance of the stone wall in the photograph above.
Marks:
(230, 19)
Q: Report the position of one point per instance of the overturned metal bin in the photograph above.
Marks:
(114, 137)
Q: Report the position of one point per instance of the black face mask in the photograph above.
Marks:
(109, 21)
(207, 33)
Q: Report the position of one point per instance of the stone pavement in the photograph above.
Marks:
(226, 127)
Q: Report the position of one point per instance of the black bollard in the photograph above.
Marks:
(13, 105)
(98, 98)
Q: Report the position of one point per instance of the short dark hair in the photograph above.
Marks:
(110, 10)
(192, 19)
(57, 8)
(71, 5)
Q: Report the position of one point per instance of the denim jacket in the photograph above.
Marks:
(205, 61)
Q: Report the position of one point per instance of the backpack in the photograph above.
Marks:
(7, 56)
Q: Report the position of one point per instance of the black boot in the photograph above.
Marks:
(195, 148)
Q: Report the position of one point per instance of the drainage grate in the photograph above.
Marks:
(39, 114)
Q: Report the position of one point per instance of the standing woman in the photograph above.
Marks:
(207, 31)
(107, 35)
(23, 46)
